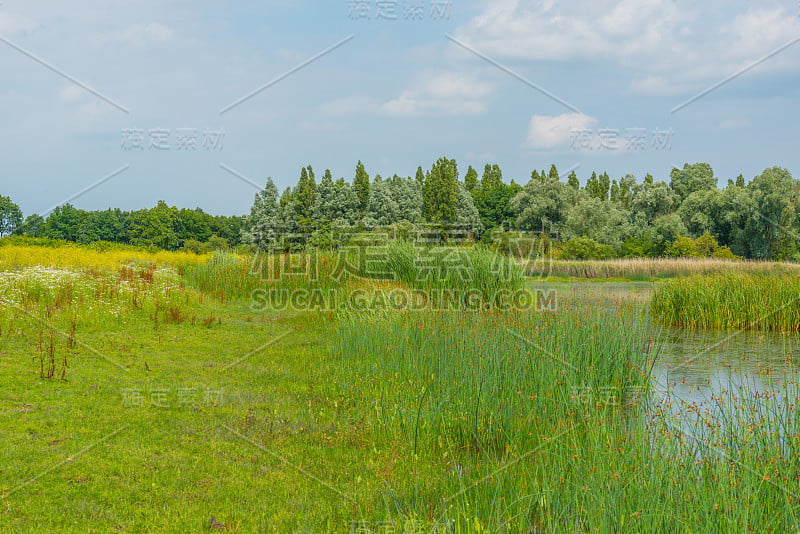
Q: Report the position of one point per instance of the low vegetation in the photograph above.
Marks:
(16, 253)
(151, 383)
(730, 300)
(653, 268)
(399, 262)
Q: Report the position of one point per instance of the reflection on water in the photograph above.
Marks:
(697, 368)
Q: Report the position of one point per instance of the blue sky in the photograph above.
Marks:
(398, 94)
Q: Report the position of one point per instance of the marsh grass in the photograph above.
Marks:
(533, 443)
(234, 277)
(482, 378)
(642, 269)
(730, 301)
(455, 267)
(396, 264)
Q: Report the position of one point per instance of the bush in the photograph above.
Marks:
(683, 247)
(217, 243)
(583, 248)
(704, 246)
(193, 245)
(25, 241)
(725, 253)
(639, 248)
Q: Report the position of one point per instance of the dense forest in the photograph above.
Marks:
(687, 216)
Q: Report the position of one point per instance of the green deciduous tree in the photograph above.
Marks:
(598, 186)
(548, 201)
(666, 229)
(382, 209)
(154, 227)
(33, 226)
(304, 194)
(653, 200)
(606, 223)
(696, 177)
(553, 174)
(407, 193)
(10, 217)
(772, 226)
(492, 176)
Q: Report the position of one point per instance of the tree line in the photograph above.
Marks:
(162, 226)
(687, 216)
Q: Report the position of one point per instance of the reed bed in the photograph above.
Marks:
(730, 301)
(397, 263)
(480, 377)
(236, 277)
(649, 268)
(533, 442)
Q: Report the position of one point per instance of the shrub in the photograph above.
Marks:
(583, 248)
(683, 247)
(193, 245)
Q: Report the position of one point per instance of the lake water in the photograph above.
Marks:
(694, 367)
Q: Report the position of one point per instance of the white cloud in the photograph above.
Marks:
(448, 93)
(93, 113)
(545, 131)
(759, 31)
(89, 112)
(12, 23)
(458, 86)
(571, 29)
(659, 86)
(403, 106)
(673, 47)
(150, 34)
(71, 93)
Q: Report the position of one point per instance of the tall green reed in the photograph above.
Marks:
(731, 301)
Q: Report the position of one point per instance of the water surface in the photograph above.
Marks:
(695, 367)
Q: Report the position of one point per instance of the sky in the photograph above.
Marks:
(121, 103)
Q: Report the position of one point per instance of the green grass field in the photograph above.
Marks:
(181, 409)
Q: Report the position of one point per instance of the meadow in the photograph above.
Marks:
(143, 393)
